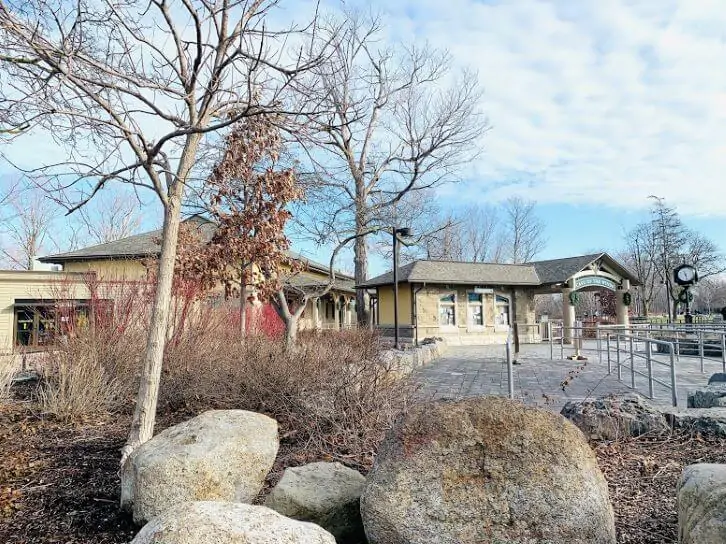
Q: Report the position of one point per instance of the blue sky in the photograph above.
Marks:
(593, 106)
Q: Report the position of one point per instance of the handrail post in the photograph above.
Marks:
(510, 368)
(549, 335)
(562, 342)
(723, 351)
(607, 343)
(700, 348)
(674, 389)
(649, 361)
(632, 365)
(599, 342)
(617, 357)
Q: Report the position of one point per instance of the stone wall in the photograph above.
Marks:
(405, 362)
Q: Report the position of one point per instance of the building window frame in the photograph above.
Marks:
(470, 324)
(448, 309)
(502, 301)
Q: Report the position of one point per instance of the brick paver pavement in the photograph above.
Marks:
(467, 371)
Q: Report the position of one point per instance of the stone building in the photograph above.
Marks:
(477, 303)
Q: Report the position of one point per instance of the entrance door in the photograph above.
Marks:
(502, 312)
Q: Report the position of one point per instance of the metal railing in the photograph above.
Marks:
(627, 351)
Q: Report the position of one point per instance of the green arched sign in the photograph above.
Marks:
(595, 281)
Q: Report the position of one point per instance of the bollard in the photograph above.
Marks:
(674, 387)
(700, 349)
(723, 352)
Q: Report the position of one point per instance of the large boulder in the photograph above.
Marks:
(702, 504)
(327, 494)
(708, 396)
(485, 469)
(209, 522)
(704, 421)
(220, 455)
(615, 416)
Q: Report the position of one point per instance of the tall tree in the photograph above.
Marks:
(108, 218)
(400, 122)
(27, 232)
(132, 91)
(522, 230)
(641, 255)
(247, 197)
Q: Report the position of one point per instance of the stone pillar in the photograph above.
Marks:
(568, 316)
(621, 310)
(316, 311)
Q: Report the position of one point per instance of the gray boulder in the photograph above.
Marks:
(702, 504)
(718, 377)
(220, 455)
(616, 416)
(327, 494)
(708, 396)
(705, 421)
(228, 523)
(485, 469)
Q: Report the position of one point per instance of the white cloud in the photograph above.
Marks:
(597, 101)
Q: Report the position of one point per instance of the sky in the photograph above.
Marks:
(593, 106)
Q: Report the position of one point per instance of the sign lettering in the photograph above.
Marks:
(595, 281)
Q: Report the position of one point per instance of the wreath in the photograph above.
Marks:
(685, 296)
(574, 298)
(627, 298)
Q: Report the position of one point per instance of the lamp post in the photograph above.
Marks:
(403, 231)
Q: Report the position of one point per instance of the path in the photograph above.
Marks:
(467, 371)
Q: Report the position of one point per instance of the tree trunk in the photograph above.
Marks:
(291, 325)
(142, 425)
(243, 310)
(361, 275)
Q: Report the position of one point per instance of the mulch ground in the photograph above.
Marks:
(59, 483)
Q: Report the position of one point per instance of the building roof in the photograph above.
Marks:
(148, 244)
(457, 272)
(538, 273)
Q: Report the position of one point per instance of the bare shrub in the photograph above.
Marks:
(7, 373)
(333, 395)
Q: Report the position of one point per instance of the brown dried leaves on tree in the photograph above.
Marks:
(246, 196)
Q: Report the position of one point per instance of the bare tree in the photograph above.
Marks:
(28, 231)
(641, 256)
(522, 231)
(133, 91)
(109, 217)
(400, 122)
(676, 244)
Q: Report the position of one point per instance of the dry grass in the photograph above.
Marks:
(7, 373)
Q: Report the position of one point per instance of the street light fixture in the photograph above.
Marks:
(405, 232)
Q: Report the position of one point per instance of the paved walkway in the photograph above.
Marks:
(467, 371)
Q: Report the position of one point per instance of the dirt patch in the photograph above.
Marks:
(59, 483)
(642, 474)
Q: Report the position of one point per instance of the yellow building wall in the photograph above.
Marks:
(385, 305)
(36, 285)
(110, 269)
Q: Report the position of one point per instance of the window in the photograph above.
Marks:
(475, 309)
(40, 323)
(502, 311)
(447, 311)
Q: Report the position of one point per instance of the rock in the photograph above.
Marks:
(485, 469)
(719, 377)
(705, 421)
(617, 416)
(709, 396)
(220, 455)
(327, 494)
(702, 504)
(207, 522)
